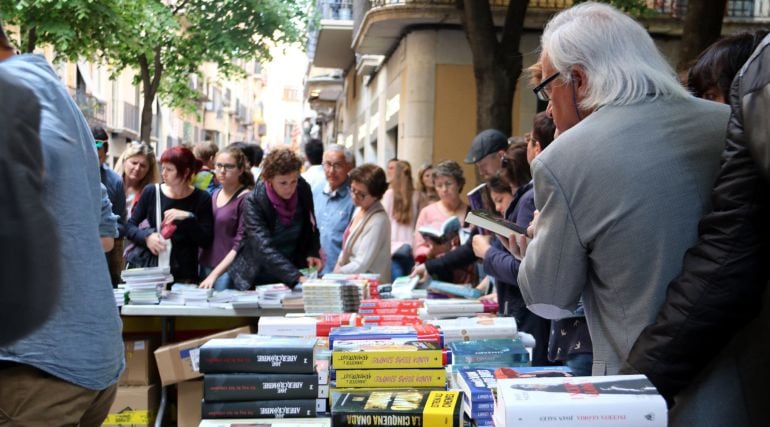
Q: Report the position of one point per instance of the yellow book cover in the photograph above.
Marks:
(391, 378)
(386, 354)
(441, 408)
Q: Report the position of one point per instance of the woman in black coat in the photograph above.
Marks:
(280, 232)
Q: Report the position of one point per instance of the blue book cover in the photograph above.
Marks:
(454, 289)
(476, 413)
(497, 352)
(477, 383)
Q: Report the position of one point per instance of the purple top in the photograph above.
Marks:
(228, 229)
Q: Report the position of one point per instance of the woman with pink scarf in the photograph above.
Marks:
(280, 232)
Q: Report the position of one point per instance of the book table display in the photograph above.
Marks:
(168, 314)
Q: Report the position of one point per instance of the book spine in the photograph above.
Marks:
(387, 359)
(262, 409)
(379, 378)
(390, 304)
(260, 360)
(388, 311)
(243, 387)
(368, 418)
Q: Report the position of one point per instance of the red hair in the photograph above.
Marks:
(183, 160)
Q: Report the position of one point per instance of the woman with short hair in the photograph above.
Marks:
(280, 232)
(366, 242)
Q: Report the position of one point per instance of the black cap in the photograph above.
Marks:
(485, 143)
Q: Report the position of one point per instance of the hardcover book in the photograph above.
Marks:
(390, 303)
(296, 408)
(495, 224)
(409, 408)
(237, 386)
(277, 354)
(613, 400)
(475, 328)
(390, 378)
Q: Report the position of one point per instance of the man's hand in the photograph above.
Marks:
(481, 245)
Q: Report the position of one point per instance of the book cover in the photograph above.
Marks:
(476, 196)
(464, 291)
(613, 400)
(476, 413)
(398, 408)
(477, 383)
(268, 422)
(373, 332)
(389, 311)
(277, 354)
(495, 224)
(390, 378)
(495, 352)
(390, 303)
(289, 408)
(386, 354)
(388, 319)
(533, 372)
(447, 231)
(238, 386)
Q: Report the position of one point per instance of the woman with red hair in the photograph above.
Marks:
(187, 219)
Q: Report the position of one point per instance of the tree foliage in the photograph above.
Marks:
(166, 42)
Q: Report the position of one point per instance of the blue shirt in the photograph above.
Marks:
(117, 193)
(333, 211)
(81, 342)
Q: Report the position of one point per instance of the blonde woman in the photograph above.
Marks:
(425, 186)
(402, 203)
(138, 168)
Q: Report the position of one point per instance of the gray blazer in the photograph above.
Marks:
(620, 196)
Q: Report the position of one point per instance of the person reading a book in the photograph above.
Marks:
(366, 241)
(619, 202)
(401, 202)
(449, 181)
(280, 234)
(227, 204)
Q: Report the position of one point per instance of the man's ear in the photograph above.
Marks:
(579, 79)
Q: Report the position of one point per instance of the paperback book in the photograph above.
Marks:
(447, 231)
(416, 332)
(489, 353)
(389, 378)
(289, 408)
(386, 354)
(409, 408)
(495, 224)
(463, 291)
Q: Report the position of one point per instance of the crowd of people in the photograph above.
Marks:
(646, 202)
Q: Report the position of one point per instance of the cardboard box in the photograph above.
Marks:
(134, 406)
(140, 363)
(179, 362)
(188, 400)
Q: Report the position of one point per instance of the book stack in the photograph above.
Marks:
(272, 296)
(367, 282)
(398, 408)
(387, 363)
(145, 285)
(262, 377)
(304, 326)
(388, 312)
(185, 294)
(475, 328)
(413, 333)
(480, 384)
(487, 353)
(326, 296)
(450, 308)
(613, 400)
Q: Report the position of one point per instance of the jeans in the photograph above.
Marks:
(223, 282)
(580, 363)
(401, 262)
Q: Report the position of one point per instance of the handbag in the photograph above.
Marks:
(139, 255)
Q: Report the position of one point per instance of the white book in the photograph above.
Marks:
(278, 326)
(613, 400)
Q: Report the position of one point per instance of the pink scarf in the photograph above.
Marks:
(284, 208)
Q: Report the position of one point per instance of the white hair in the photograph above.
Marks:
(341, 149)
(618, 55)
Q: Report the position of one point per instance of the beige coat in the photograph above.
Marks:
(367, 248)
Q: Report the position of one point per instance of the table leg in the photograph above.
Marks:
(166, 335)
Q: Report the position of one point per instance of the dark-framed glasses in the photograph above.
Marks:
(360, 195)
(224, 166)
(540, 90)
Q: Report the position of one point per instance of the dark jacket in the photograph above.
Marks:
(257, 257)
(716, 300)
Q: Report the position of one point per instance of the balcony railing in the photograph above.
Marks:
(92, 108)
(131, 116)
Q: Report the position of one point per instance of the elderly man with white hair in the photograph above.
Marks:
(621, 190)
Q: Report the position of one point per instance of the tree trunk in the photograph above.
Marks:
(497, 63)
(702, 27)
(31, 40)
(150, 83)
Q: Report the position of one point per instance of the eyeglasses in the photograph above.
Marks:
(335, 166)
(447, 184)
(224, 166)
(360, 195)
(540, 90)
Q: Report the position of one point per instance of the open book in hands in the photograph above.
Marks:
(449, 230)
(497, 225)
